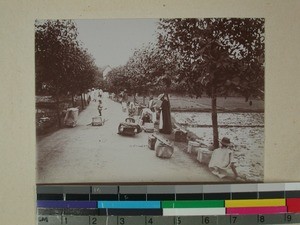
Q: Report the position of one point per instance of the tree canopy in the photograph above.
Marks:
(62, 65)
(227, 53)
(211, 56)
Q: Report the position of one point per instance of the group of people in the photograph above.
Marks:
(222, 157)
(160, 109)
(156, 110)
(97, 97)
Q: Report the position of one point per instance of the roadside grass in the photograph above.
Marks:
(185, 103)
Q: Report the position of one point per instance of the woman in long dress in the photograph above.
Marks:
(165, 124)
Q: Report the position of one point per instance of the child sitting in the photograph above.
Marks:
(222, 159)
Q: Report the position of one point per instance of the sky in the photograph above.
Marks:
(112, 41)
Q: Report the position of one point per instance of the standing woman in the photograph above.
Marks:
(165, 125)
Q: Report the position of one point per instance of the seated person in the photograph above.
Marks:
(131, 109)
(151, 104)
(146, 116)
(222, 159)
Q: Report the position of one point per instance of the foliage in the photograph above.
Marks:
(213, 56)
(117, 80)
(146, 72)
(216, 57)
(228, 53)
(62, 65)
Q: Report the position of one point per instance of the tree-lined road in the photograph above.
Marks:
(87, 154)
(197, 57)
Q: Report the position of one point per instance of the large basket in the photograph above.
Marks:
(180, 135)
(204, 155)
(151, 142)
(163, 150)
(192, 147)
(71, 117)
(97, 121)
(149, 127)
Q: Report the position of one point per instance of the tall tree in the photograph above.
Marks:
(149, 70)
(216, 56)
(117, 80)
(55, 43)
(62, 65)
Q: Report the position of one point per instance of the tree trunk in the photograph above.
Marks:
(73, 102)
(82, 105)
(58, 111)
(214, 117)
(169, 106)
(84, 100)
(144, 100)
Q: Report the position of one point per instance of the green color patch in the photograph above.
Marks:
(194, 204)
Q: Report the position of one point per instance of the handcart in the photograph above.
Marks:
(146, 120)
(71, 117)
(97, 121)
(129, 127)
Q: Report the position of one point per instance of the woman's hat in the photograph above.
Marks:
(225, 141)
(160, 96)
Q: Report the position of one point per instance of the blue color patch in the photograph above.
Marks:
(129, 204)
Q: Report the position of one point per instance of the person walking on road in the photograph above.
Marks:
(124, 100)
(100, 106)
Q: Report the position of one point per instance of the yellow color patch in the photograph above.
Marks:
(254, 203)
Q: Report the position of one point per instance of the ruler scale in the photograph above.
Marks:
(277, 203)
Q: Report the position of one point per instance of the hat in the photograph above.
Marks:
(160, 96)
(225, 141)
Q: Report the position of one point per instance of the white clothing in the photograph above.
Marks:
(221, 158)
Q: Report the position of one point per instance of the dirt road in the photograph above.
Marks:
(87, 154)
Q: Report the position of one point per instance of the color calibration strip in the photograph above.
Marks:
(167, 204)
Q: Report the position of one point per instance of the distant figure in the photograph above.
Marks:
(222, 159)
(124, 96)
(94, 95)
(146, 116)
(100, 108)
(131, 109)
(151, 104)
(165, 125)
(89, 99)
(124, 100)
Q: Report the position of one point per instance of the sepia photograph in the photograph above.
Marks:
(150, 100)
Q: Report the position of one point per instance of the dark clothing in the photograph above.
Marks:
(166, 118)
(125, 97)
(100, 109)
(146, 119)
